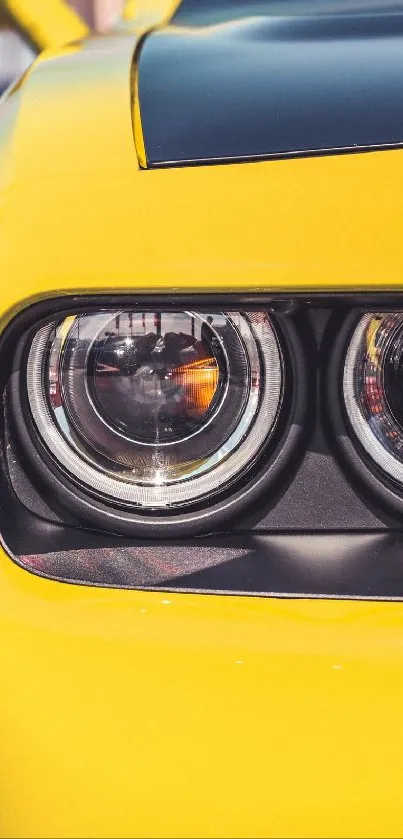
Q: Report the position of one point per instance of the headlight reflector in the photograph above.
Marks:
(373, 389)
(158, 409)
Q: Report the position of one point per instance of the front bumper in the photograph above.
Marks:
(146, 714)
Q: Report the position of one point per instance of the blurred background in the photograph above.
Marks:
(16, 54)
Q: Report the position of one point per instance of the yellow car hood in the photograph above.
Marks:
(78, 213)
(137, 714)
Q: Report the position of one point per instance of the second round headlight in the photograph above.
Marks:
(155, 410)
(373, 389)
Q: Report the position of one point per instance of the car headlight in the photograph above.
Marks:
(155, 412)
(373, 390)
(277, 433)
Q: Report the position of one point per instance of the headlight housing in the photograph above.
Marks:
(156, 421)
(148, 398)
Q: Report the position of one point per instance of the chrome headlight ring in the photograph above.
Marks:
(361, 383)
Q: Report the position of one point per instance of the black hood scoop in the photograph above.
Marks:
(267, 86)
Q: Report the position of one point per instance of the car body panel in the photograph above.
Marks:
(139, 714)
(46, 23)
(90, 218)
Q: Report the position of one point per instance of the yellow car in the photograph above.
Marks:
(201, 360)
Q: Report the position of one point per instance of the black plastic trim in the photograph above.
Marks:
(353, 565)
(334, 565)
(271, 156)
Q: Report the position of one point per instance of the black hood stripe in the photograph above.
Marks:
(267, 86)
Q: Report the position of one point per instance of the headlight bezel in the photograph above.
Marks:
(266, 472)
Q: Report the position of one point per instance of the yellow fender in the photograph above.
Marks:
(148, 12)
(46, 23)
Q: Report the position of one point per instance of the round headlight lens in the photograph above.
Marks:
(155, 409)
(157, 389)
(373, 389)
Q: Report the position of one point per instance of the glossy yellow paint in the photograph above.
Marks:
(46, 23)
(149, 12)
(135, 714)
(90, 219)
